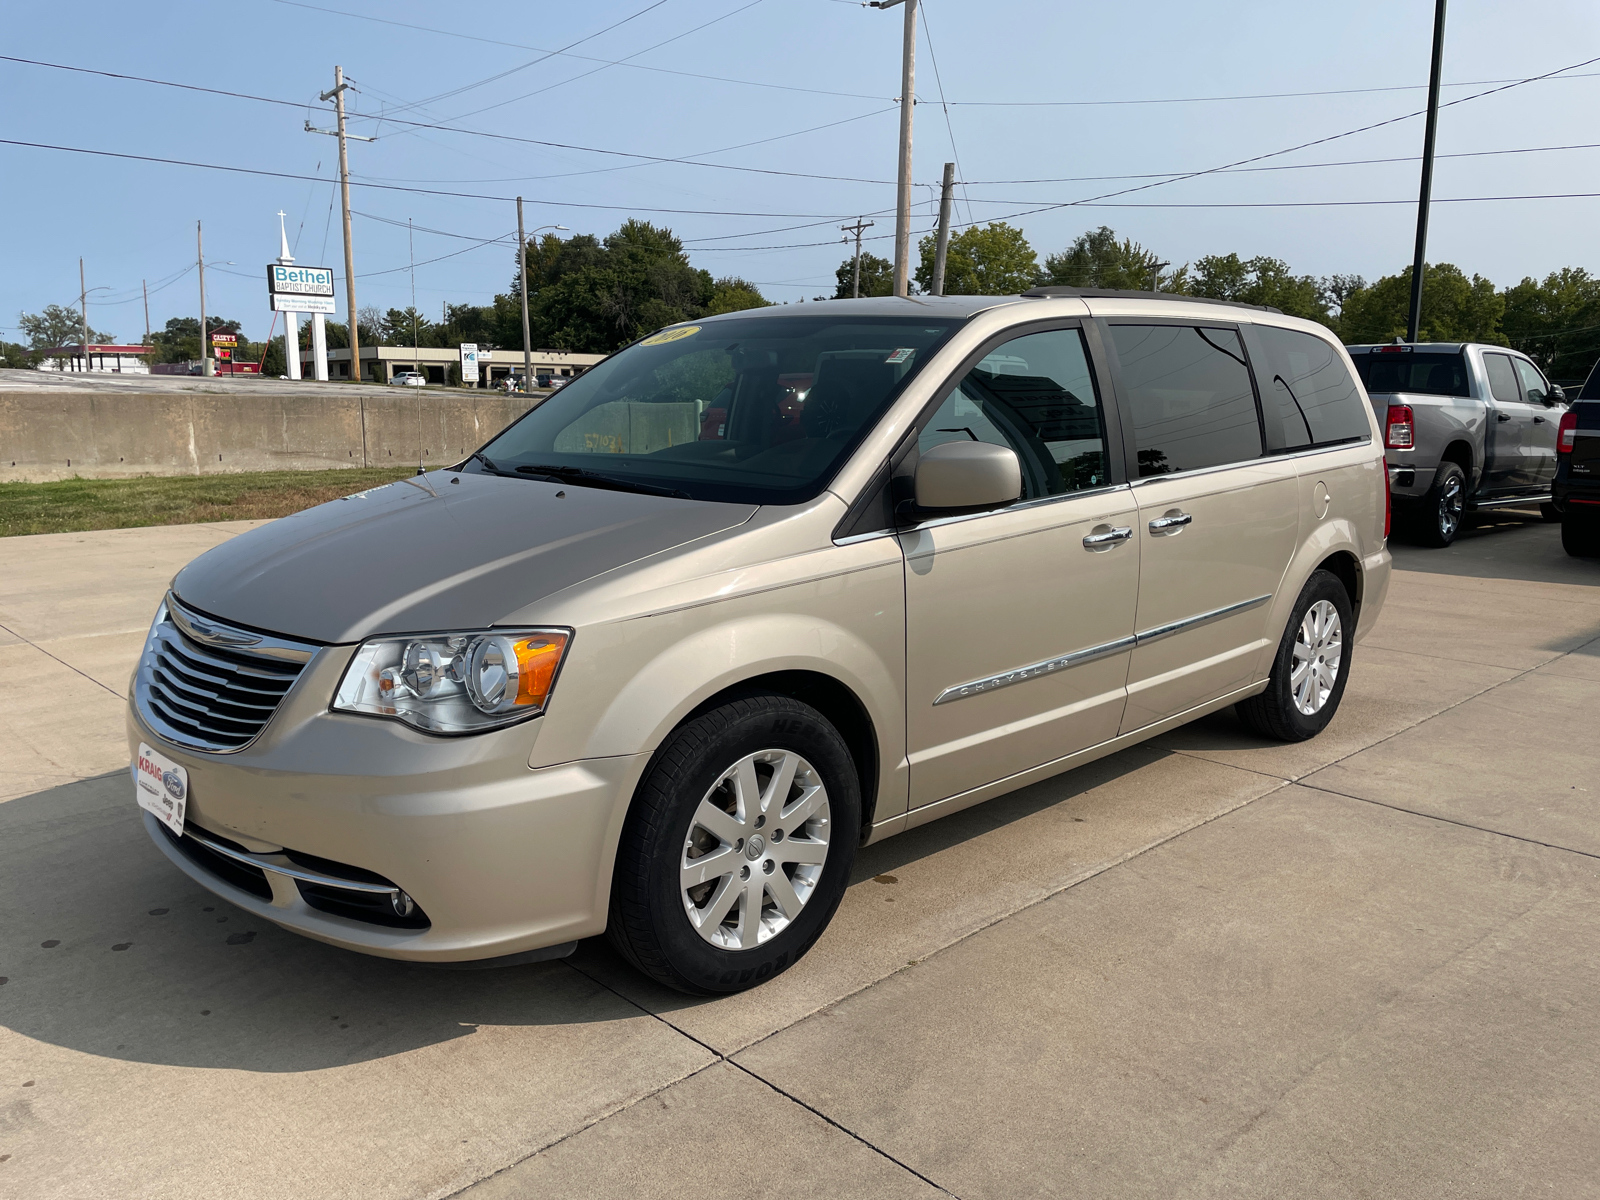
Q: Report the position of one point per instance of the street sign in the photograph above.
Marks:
(291, 302)
(299, 281)
(469, 362)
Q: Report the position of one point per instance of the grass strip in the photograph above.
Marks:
(75, 505)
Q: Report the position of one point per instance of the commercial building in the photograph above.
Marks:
(112, 360)
(442, 364)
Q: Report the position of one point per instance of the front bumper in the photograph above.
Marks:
(502, 859)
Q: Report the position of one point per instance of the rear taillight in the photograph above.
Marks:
(1400, 428)
(1388, 502)
(1567, 434)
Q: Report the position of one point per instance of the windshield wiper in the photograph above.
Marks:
(584, 476)
(487, 465)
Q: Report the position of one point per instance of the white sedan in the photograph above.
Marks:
(410, 379)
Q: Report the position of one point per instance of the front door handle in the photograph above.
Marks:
(1171, 523)
(1107, 538)
(1501, 417)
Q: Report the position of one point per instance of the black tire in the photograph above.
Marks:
(1580, 535)
(1275, 713)
(1550, 513)
(1437, 518)
(649, 920)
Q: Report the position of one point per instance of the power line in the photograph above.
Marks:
(939, 82)
(1351, 162)
(391, 187)
(1401, 87)
(502, 137)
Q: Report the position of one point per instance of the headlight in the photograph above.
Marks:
(455, 682)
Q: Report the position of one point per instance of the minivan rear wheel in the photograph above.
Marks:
(1580, 534)
(738, 848)
(1311, 667)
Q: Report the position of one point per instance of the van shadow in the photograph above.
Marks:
(1501, 544)
(107, 948)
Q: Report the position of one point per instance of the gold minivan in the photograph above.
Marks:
(749, 594)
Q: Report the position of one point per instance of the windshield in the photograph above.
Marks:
(1427, 374)
(756, 410)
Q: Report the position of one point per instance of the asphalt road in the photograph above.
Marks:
(1361, 966)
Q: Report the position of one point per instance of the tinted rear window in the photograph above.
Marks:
(1190, 395)
(1409, 371)
(1591, 386)
(1318, 402)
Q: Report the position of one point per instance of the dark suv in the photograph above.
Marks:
(1576, 491)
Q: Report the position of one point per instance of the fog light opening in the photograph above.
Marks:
(402, 904)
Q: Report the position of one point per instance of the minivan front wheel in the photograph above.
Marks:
(738, 848)
(1311, 668)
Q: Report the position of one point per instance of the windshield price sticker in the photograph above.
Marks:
(161, 787)
(670, 335)
(900, 355)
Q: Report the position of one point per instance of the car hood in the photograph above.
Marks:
(442, 551)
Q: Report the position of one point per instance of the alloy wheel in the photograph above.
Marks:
(1318, 649)
(1451, 503)
(755, 849)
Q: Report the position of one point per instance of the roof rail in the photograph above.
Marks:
(1043, 293)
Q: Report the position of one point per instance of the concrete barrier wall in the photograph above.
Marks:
(105, 435)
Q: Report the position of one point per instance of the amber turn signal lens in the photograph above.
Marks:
(537, 660)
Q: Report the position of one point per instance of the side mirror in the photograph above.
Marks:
(1557, 395)
(968, 475)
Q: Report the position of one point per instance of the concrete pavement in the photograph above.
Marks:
(1209, 965)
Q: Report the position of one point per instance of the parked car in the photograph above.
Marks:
(410, 379)
(659, 678)
(1466, 427)
(1577, 486)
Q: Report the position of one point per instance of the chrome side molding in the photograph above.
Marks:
(1075, 658)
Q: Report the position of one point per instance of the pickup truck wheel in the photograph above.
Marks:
(1580, 535)
(738, 848)
(1311, 667)
(1437, 519)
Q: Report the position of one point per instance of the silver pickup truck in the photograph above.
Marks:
(1466, 427)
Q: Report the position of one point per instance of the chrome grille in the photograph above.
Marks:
(207, 685)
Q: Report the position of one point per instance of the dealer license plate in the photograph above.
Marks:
(162, 787)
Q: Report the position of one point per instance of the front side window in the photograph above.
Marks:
(1190, 396)
(1502, 379)
(1035, 395)
(1533, 383)
(1318, 402)
(757, 410)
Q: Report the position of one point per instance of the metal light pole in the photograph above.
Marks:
(858, 228)
(942, 243)
(83, 314)
(200, 257)
(902, 216)
(1414, 321)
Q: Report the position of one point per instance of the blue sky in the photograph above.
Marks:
(812, 83)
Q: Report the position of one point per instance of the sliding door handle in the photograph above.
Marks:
(1173, 522)
(1106, 536)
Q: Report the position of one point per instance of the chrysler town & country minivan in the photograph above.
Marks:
(753, 592)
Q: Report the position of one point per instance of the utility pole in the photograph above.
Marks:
(908, 100)
(1155, 274)
(942, 244)
(522, 276)
(205, 343)
(858, 228)
(146, 288)
(411, 251)
(1414, 321)
(83, 313)
(337, 96)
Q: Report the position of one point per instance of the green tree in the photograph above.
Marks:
(400, 325)
(877, 276)
(1556, 321)
(179, 341)
(732, 294)
(990, 260)
(1260, 280)
(1454, 309)
(58, 325)
(1096, 259)
(18, 357)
